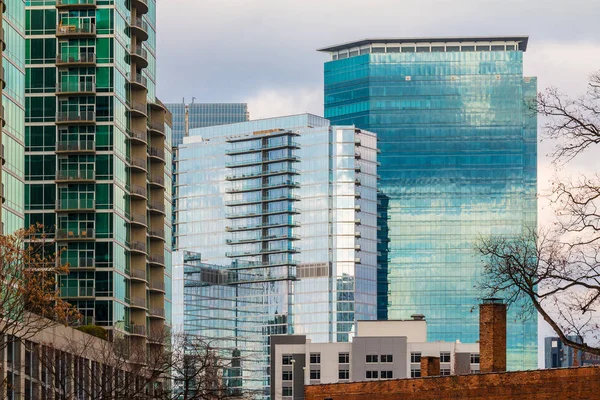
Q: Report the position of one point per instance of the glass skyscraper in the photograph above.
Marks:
(12, 137)
(277, 235)
(459, 153)
(98, 143)
(200, 115)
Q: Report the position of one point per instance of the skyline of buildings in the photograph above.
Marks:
(97, 161)
(459, 161)
(282, 211)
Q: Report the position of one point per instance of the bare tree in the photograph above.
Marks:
(557, 273)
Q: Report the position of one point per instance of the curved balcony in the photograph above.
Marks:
(246, 214)
(158, 127)
(76, 60)
(156, 180)
(3, 200)
(2, 156)
(157, 286)
(140, 5)
(156, 154)
(3, 80)
(139, 192)
(156, 207)
(75, 176)
(138, 275)
(139, 28)
(76, 117)
(76, 31)
(156, 234)
(264, 199)
(139, 220)
(2, 117)
(75, 234)
(274, 185)
(159, 106)
(77, 205)
(138, 109)
(138, 81)
(156, 260)
(140, 56)
(75, 146)
(75, 4)
(138, 247)
(76, 88)
(137, 330)
(236, 177)
(3, 40)
(138, 163)
(157, 313)
(139, 303)
(3, 3)
(139, 136)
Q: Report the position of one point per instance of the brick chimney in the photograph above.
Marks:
(492, 335)
(430, 366)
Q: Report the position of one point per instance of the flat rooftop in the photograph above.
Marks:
(521, 40)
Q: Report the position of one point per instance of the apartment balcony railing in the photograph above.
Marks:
(141, 6)
(75, 146)
(76, 88)
(156, 233)
(76, 205)
(157, 285)
(2, 155)
(250, 253)
(75, 4)
(268, 146)
(76, 117)
(156, 206)
(263, 199)
(139, 330)
(139, 81)
(262, 225)
(139, 219)
(138, 274)
(139, 136)
(156, 153)
(262, 160)
(138, 302)
(256, 213)
(156, 180)
(76, 176)
(138, 247)
(75, 234)
(3, 79)
(261, 186)
(78, 262)
(261, 238)
(238, 176)
(140, 28)
(139, 191)
(157, 260)
(66, 59)
(84, 30)
(139, 163)
(157, 127)
(157, 312)
(138, 109)
(140, 56)
(81, 292)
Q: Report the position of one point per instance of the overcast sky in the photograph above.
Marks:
(263, 51)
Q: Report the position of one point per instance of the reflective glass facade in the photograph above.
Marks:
(97, 145)
(283, 211)
(458, 161)
(12, 138)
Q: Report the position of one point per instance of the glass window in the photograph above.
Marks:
(344, 358)
(287, 359)
(444, 371)
(286, 392)
(315, 374)
(415, 372)
(415, 357)
(372, 358)
(386, 374)
(286, 375)
(474, 358)
(372, 374)
(445, 357)
(387, 358)
(344, 373)
(315, 358)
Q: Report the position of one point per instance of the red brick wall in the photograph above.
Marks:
(556, 384)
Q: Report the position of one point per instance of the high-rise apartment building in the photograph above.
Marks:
(199, 115)
(458, 162)
(98, 158)
(280, 215)
(12, 135)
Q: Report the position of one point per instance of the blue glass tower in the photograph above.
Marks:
(458, 161)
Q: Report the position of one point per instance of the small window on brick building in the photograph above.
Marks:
(445, 357)
(286, 359)
(286, 375)
(474, 358)
(415, 372)
(372, 374)
(386, 374)
(387, 358)
(372, 358)
(315, 358)
(344, 374)
(315, 374)
(444, 371)
(286, 392)
(344, 358)
(415, 357)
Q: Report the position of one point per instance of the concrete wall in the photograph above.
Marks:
(363, 346)
(571, 383)
(415, 331)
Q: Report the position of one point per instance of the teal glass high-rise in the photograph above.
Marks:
(458, 161)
